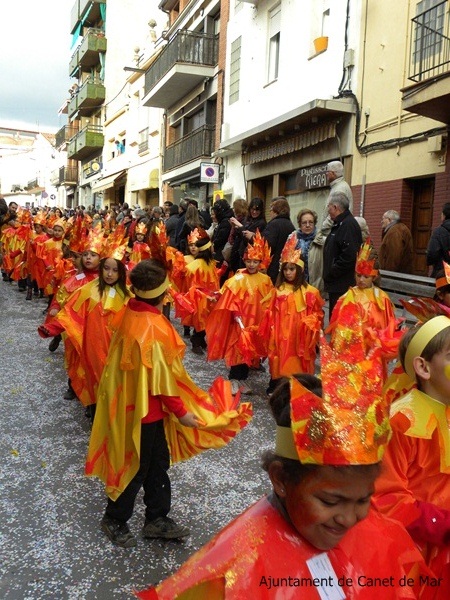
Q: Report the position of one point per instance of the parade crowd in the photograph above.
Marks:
(359, 472)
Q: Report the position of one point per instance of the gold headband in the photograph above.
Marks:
(205, 246)
(284, 443)
(148, 294)
(420, 340)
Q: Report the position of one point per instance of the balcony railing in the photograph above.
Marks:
(85, 142)
(68, 175)
(86, 11)
(64, 134)
(194, 145)
(189, 47)
(89, 97)
(430, 44)
(87, 54)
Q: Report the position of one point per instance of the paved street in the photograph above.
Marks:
(51, 545)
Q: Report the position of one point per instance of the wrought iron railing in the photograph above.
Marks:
(194, 145)
(188, 47)
(430, 44)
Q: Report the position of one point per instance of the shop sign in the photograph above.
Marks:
(311, 178)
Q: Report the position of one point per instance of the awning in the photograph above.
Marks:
(297, 119)
(106, 182)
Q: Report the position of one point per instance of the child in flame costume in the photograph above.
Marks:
(202, 281)
(374, 306)
(88, 314)
(316, 522)
(38, 237)
(232, 326)
(291, 327)
(90, 245)
(146, 405)
(414, 486)
(140, 250)
(51, 255)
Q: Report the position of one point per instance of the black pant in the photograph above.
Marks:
(239, 372)
(332, 299)
(152, 476)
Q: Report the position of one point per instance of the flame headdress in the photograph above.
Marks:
(95, 240)
(291, 254)
(116, 243)
(364, 264)
(259, 249)
(141, 228)
(350, 424)
(200, 238)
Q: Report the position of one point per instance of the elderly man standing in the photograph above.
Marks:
(341, 248)
(396, 250)
(337, 183)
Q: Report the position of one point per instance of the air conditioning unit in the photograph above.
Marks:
(436, 143)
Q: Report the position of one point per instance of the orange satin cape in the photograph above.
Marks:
(146, 357)
(247, 297)
(88, 319)
(290, 330)
(255, 552)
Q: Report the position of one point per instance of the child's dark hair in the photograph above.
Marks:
(147, 275)
(121, 282)
(205, 254)
(280, 406)
(299, 280)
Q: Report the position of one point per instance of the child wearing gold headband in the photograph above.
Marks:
(144, 405)
(292, 325)
(414, 486)
(314, 536)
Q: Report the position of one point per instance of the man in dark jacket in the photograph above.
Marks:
(341, 249)
(276, 232)
(439, 245)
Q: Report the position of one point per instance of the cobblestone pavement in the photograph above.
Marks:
(51, 545)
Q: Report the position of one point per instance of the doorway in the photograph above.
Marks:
(422, 219)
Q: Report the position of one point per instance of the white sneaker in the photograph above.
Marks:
(235, 385)
(245, 388)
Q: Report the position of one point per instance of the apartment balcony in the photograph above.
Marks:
(87, 55)
(429, 68)
(86, 142)
(89, 97)
(64, 134)
(187, 60)
(86, 13)
(198, 144)
(34, 186)
(68, 176)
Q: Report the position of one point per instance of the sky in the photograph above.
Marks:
(34, 63)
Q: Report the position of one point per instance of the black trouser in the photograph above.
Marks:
(239, 372)
(332, 299)
(198, 339)
(152, 475)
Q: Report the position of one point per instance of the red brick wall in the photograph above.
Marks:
(380, 197)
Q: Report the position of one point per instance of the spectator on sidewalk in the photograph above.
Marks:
(396, 250)
(438, 250)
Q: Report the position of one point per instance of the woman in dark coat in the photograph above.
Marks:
(255, 220)
(223, 212)
(277, 232)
